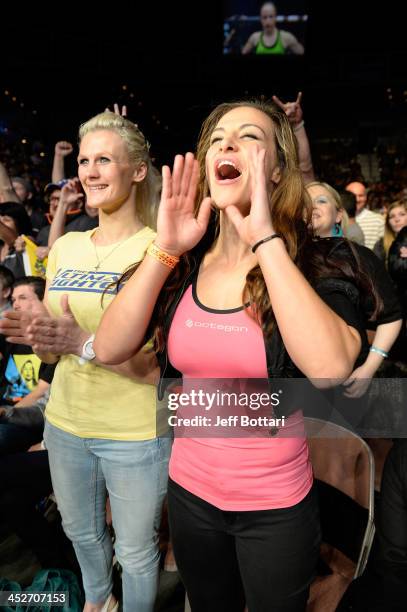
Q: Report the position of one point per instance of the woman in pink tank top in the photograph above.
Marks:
(223, 293)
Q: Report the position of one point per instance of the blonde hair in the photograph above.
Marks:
(337, 201)
(148, 191)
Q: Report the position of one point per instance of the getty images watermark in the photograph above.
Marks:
(218, 405)
(240, 407)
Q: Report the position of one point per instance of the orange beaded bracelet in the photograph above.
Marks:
(161, 256)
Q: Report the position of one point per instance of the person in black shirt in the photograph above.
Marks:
(24, 379)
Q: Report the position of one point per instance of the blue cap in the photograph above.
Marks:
(52, 186)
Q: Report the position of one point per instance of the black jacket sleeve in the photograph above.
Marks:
(391, 310)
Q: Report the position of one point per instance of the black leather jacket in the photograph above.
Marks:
(279, 363)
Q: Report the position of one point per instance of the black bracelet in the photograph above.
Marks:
(254, 247)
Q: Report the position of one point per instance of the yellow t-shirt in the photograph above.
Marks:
(89, 400)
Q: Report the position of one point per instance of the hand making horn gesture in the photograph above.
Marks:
(293, 110)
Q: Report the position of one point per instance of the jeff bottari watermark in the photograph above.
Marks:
(223, 401)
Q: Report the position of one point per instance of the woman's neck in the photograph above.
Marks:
(270, 35)
(117, 226)
(229, 247)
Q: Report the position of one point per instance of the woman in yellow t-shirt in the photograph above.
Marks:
(101, 431)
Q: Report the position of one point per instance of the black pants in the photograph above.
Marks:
(265, 558)
(17, 438)
(383, 586)
(25, 479)
(392, 523)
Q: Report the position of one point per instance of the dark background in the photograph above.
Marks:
(165, 61)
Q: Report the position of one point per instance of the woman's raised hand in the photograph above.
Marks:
(293, 110)
(117, 111)
(178, 228)
(63, 148)
(257, 224)
(71, 194)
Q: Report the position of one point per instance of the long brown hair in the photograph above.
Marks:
(289, 200)
(291, 211)
(289, 205)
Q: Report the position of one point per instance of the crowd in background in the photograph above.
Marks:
(46, 202)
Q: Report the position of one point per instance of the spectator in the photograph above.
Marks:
(396, 219)
(66, 214)
(294, 113)
(20, 366)
(14, 221)
(25, 193)
(83, 437)
(243, 528)
(397, 265)
(25, 379)
(326, 218)
(371, 223)
(62, 150)
(6, 285)
(353, 231)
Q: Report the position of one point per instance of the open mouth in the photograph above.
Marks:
(226, 169)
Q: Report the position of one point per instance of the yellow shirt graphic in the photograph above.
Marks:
(89, 400)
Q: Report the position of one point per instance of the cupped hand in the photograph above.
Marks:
(257, 224)
(178, 228)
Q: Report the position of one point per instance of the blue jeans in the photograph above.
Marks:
(135, 475)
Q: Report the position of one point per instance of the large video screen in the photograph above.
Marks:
(264, 28)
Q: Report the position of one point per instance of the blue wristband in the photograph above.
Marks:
(379, 351)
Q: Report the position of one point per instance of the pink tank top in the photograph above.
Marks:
(232, 473)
